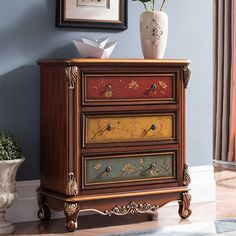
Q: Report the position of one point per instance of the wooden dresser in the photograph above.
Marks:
(113, 137)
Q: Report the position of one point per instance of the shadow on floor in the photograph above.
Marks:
(84, 222)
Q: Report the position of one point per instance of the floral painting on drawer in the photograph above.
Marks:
(108, 129)
(129, 87)
(129, 168)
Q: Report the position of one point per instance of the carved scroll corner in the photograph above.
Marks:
(186, 176)
(72, 188)
(71, 75)
(187, 75)
(131, 209)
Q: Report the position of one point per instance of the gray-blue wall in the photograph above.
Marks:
(27, 33)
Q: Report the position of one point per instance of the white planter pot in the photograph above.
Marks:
(153, 33)
(8, 192)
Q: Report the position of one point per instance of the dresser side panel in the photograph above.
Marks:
(54, 128)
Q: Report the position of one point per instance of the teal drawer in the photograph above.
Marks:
(129, 168)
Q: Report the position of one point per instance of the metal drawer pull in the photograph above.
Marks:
(153, 127)
(108, 169)
(152, 166)
(109, 127)
(154, 87)
(104, 173)
(108, 88)
(148, 169)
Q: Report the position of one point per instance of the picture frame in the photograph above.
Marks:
(92, 14)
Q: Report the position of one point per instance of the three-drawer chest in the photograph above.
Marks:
(113, 137)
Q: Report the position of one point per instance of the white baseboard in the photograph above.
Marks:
(26, 208)
(203, 185)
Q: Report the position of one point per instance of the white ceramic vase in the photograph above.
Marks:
(153, 33)
(8, 192)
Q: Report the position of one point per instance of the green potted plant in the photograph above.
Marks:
(153, 29)
(10, 160)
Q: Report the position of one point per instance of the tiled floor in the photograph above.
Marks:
(205, 228)
(224, 207)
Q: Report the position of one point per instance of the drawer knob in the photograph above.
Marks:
(152, 166)
(109, 127)
(108, 88)
(108, 169)
(153, 127)
(153, 87)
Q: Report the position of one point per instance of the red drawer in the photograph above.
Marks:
(121, 88)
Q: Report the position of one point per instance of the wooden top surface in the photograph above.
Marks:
(120, 61)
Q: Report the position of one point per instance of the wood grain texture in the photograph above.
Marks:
(87, 198)
(65, 115)
(83, 61)
(54, 126)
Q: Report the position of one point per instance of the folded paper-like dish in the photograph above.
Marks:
(89, 48)
(99, 43)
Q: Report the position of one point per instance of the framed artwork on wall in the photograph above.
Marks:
(92, 14)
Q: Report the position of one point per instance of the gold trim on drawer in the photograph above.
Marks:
(128, 128)
(122, 169)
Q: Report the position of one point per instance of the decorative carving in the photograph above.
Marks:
(187, 75)
(71, 211)
(186, 177)
(44, 213)
(184, 211)
(70, 208)
(131, 209)
(71, 75)
(72, 185)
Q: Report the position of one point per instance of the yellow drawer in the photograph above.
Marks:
(128, 128)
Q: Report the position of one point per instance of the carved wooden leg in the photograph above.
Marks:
(184, 211)
(71, 212)
(44, 213)
(153, 216)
